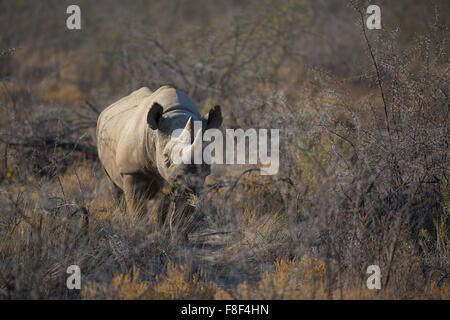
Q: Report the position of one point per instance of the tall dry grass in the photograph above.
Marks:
(364, 139)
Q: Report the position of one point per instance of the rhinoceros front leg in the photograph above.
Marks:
(137, 189)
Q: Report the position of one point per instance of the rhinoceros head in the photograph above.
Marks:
(177, 133)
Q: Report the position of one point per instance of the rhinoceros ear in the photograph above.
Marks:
(154, 114)
(214, 118)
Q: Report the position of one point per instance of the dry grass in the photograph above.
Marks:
(364, 143)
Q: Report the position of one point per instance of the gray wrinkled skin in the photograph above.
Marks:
(134, 142)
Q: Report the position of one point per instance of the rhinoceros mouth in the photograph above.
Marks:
(180, 190)
(190, 197)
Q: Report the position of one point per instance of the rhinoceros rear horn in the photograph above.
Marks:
(214, 118)
(154, 114)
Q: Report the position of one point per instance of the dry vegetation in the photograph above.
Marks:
(364, 173)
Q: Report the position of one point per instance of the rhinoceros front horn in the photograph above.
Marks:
(187, 133)
(192, 152)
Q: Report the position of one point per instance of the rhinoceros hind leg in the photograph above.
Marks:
(117, 193)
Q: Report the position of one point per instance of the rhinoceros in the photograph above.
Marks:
(134, 141)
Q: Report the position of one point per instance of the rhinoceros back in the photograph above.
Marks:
(114, 124)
